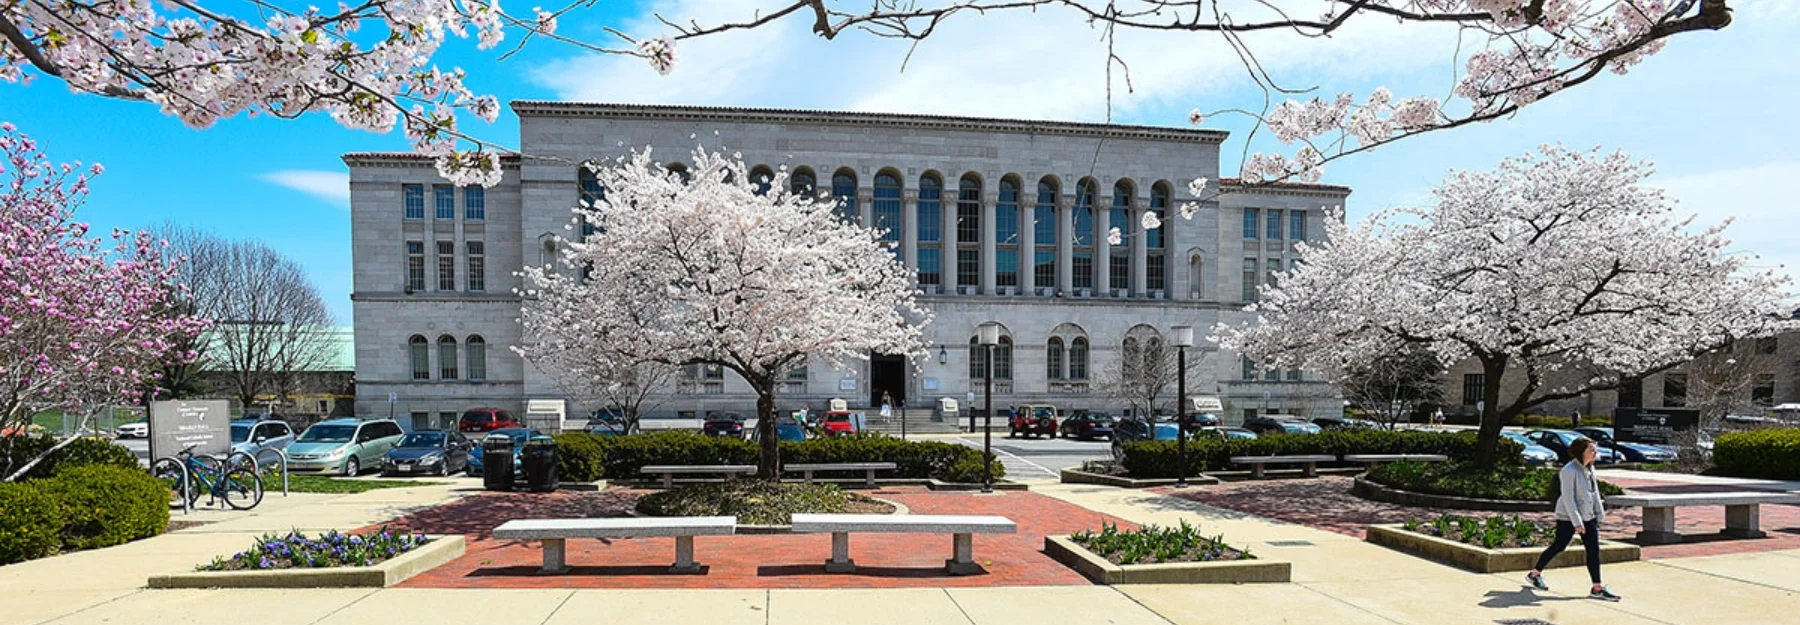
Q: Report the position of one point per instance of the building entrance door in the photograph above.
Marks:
(887, 374)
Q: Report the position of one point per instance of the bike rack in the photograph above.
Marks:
(256, 462)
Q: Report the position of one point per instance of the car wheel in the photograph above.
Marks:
(443, 469)
(352, 467)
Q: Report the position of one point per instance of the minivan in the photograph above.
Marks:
(486, 420)
(344, 446)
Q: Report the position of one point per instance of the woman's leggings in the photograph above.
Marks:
(1590, 540)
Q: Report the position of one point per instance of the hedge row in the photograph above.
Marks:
(1773, 453)
(81, 507)
(584, 457)
(15, 451)
(1158, 459)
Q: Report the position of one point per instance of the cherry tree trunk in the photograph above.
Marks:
(768, 467)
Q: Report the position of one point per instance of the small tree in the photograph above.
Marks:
(632, 388)
(1719, 382)
(710, 271)
(1558, 267)
(1393, 386)
(1144, 373)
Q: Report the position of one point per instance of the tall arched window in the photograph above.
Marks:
(968, 231)
(1196, 277)
(1003, 359)
(931, 230)
(477, 349)
(843, 191)
(1078, 359)
(1156, 267)
(419, 353)
(802, 182)
(447, 357)
(1119, 265)
(762, 178)
(1006, 234)
(977, 359)
(887, 207)
(1053, 359)
(1083, 217)
(1044, 230)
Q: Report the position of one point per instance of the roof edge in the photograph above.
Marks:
(1291, 187)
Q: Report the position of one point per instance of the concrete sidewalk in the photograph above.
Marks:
(1707, 480)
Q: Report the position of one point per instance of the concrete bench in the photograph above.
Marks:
(1310, 463)
(1742, 512)
(668, 471)
(869, 467)
(1376, 460)
(555, 531)
(961, 529)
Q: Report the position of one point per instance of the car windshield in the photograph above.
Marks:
(1041, 412)
(724, 418)
(518, 436)
(239, 433)
(838, 418)
(328, 434)
(423, 439)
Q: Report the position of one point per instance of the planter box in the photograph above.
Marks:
(1372, 491)
(1226, 572)
(440, 550)
(1483, 560)
(1074, 476)
(957, 486)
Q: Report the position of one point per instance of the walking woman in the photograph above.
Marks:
(1578, 511)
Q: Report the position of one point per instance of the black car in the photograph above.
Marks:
(1087, 426)
(1264, 425)
(1197, 420)
(724, 424)
(434, 452)
(1343, 423)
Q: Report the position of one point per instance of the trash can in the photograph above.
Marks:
(539, 459)
(497, 463)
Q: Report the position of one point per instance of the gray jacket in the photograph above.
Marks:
(1580, 501)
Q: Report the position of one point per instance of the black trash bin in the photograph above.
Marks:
(539, 459)
(497, 463)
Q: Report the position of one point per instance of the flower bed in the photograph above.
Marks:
(1497, 532)
(759, 502)
(331, 549)
(1151, 544)
(332, 560)
(1475, 557)
(1161, 555)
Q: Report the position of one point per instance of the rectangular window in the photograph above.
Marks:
(1763, 394)
(968, 268)
(1083, 267)
(797, 373)
(1274, 265)
(1006, 218)
(1119, 269)
(477, 266)
(1249, 279)
(1044, 266)
(446, 266)
(414, 200)
(931, 217)
(415, 266)
(1271, 375)
(1155, 275)
(474, 203)
(1674, 390)
(968, 217)
(1044, 225)
(1274, 233)
(1473, 387)
(930, 266)
(1250, 223)
(1297, 225)
(1006, 268)
(444, 198)
(1249, 368)
(1293, 375)
(1767, 345)
(887, 211)
(713, 372)
(446, 420)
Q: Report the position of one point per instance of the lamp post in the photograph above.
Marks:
(989, 336)
(1184, 338)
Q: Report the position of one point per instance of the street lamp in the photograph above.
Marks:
(989, 336)
(1184, 338)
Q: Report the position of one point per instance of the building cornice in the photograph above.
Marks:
(508, 160)
(1284, 188)
(433, 296)
(540, 108)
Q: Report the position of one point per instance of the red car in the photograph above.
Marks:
(837, 422)
(487, 420)
(1032, 420)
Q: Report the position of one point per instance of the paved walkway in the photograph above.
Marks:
(1708, 480)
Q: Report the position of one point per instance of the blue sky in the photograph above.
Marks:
(1714, 111)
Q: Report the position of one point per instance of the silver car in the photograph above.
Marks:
(343, 446)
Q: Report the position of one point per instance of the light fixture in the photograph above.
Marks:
(943, 355)
(989, 333)
(989, 336)
(1184, 338)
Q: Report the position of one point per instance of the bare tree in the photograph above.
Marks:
(632, 388)
(1143, 374)
(1391, 387)
(1720, 382)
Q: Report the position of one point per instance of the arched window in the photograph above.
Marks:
(1078, 359)
(477, 349)
(887, 207)
(761, 178)
(591, 193)
(1119, 265)
(419, 352)
(1156, 267)
(1196, 277)
(931, 230)
(1003, 359)
(1083, 226)
(1044, 258)
(968, 231)
(802, 182)
(843, 191)
(977, 359)
(447, 357)
(1053, 359)
(1006, 234)
(1130, 359)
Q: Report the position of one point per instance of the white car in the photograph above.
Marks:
(135, 429)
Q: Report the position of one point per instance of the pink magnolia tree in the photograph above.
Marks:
(82, 319)
(368, 64)
(708, 270)
(1559, 273)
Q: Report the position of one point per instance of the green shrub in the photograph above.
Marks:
(620, 457)
(967, 470)
(106, 505)
(1151, 544)
(1461, 479)
(1773, 453)
(31, 522)
(15, 451)
(758, 502)
(1157, 459)
(579, 457)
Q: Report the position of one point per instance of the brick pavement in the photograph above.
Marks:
(752, 561)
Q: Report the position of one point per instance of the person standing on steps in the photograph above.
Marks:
(1579, 510)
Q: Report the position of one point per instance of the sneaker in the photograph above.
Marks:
(1603, 594)
(1537, 581)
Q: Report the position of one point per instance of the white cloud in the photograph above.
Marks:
(331, 186)
(1760, 201)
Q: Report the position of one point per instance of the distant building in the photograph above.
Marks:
(325, 389)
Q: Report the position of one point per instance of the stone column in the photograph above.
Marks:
(1028, 244)
(988, 242)
(909, 228)
(1140, 253)
(1065, 245)
(947, 212)
(865, 202)
(1102, 249)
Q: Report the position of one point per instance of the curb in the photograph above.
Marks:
(1076, 476)
(440, 550)
(1484, 560)
(1103, 571)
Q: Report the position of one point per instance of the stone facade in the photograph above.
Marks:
(1203, 260)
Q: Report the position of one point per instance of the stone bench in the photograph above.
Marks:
(869, 467)
(555, 531)
(1310, 463)
(668, 471)
(1376, 460)
(1742, 512)
(961, 528)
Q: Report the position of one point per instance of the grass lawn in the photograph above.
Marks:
(325, 484)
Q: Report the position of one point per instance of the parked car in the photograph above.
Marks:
(1534, 455)
(1032, 420)
(345, 446)
(1087, 425)
(1264, 425)
(1198, 420)
(1225, 433)
(835, 423)
(487, 420)
(1343, 423)
(723, 424)
(251, 437)
(1141, 429)
(607, 423)
(787, 428)
(135, 429)
(518, 437)
(1631, 452)
(436, 452)
(1559, 441)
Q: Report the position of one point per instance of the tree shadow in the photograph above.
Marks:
(891, 572)
(1524, 596)
(622, 570)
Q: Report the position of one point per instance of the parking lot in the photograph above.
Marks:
(1040, 458)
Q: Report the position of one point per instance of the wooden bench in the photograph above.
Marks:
(555, 531)
(668, 471)
(869, 467)
(961, 528)
(1310, 463)
(1376, 460)
(1742, 512)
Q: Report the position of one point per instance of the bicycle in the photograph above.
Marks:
(185, 473)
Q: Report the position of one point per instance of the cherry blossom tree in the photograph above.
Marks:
(1559, 273)
(82, 321)
(710, 271)
(368, 64)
